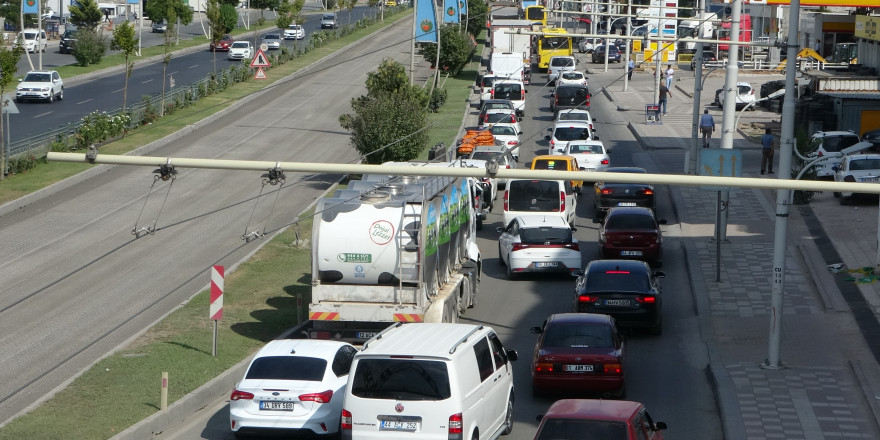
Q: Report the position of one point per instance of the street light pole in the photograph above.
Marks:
(786, 144)
(698, 89)
(729, 109)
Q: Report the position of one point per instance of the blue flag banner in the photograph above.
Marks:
(29, 7)
(426, 22)
(451, 12)
(462, 7)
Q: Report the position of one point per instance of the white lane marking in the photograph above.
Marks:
(117, 91)
(43, 114)
(83, 102)
(144, 82)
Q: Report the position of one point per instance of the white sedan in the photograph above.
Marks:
(538, 243)
(507, 134)
(745, 96)
(573, 77)
(591, 155)
(292, 384)
(856, 168)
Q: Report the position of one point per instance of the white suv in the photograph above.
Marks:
(559, 64)
(825, 143)
(43, 85)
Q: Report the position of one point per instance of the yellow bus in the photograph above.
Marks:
(553, 46)
(536, 13)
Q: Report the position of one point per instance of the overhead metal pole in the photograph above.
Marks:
(698, 91)
(628, 45)
(786, 149)
(729, 110)
(412, 50)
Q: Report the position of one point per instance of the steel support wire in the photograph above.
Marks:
(164, 173)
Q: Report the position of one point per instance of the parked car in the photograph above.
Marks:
(328, 21)
(572, 77)
(294, 32)
(34, 40)
(240, 50)
(570, 96)
(534, 196)
(68, 39)
(272, 41)
(159, 27)
(507, 134)
(745, 96)
(856, 168)
(222, 45)
(586, 45)
(591, 154)
(514, 90)
(559, 163)
(708, 57)
(564, 132)
(579, 353)
(538, 243)
(498, 115)
(559, 64)
(872, 136)
(40, 85)
(292, 386)
(631, 232)
(614, 55)
(829, 143)
(627, 290)
(599, 419)
(610, 194)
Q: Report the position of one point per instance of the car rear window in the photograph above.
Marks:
(571, 133)
(488, 81)
(485, 155)
(617, 281)
(837, 143)
(503, 130)
(499, 117)
(574, 116)
(287, 368)
(585, 149)
(864, 164)
(573, 92)
(561, 62)
(576, 336)
(550, 164)
(556, 429)
(545, 235)
(630, 222)
(534, 195)
(508, 91)
(401, 379)
(571, 75)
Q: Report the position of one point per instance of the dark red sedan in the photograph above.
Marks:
(580, 353)
(631, 233)
(223, 44)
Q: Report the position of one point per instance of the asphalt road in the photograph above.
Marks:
(104, 93)
(77, 283)
(667, 373)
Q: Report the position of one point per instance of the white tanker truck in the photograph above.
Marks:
(393, 249)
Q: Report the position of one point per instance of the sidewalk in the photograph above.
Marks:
(830, 384)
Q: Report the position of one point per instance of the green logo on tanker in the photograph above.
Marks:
(431, 231)
(455, 208)
(444, 220)
(465, 210)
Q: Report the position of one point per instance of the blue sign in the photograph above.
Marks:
(720, 162)
(426, 22)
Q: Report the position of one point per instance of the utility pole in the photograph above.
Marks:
(728, 116)
(698, 89)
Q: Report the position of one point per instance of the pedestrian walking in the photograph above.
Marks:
(669, 74)
(106, 15)
(630, 67)
(767, 151)
(664, 96)
(707, 127)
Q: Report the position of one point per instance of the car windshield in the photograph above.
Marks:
(556, 429)
(545, 235)
(630, 222)
(503, 130)
(744, 90)
(579, 92)
(272, 37)
(561, 62)
(837, 143)
(329, 17)
(30, 35)
(550, 164)
(617, 281)
(38, 77)
(240, 44)
(864, 164)
(401, 379)
(584, 149)
(287, 368)
(578, 336)
(571, 133)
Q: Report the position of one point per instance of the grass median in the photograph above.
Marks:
(260, 297)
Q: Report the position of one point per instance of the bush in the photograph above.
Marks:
(89, 48)
(438, 98)
(98, 126)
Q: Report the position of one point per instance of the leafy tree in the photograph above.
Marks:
(228, 16)
(374, 4)
(85, 14)
(456, 48)
(348, 5)
(478, 14)
(9, 58)
(89, 48)
(217, 28)
(125, 40)
(289, 13)
(392, 114)
(171, 11)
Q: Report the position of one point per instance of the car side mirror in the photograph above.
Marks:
(511, 354)
(596, 137)
(500, 229)
(659, 274)
(519, 134)
(835, 168)
(536, 330)
(539, 417)
(659, 426)
(607, 150)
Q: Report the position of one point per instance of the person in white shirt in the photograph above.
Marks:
(669, 74)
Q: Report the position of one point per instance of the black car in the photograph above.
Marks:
(68, 39)
(570, 96)
(626, 290)
(609, 195)
(708, 57)
(613, 54)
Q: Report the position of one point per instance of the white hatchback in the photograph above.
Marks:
(507, 135)
(292, 386)
(538, 243)
(863, 168)
(591, 155)
(240, 50)
(564, 132)
(572, 77)
(745, 96)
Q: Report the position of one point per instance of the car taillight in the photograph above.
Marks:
(648, 192)
(604, 162)
(345, 419)
(552, 142)
(646, 299)
(486, 117)
(522, 95)
(456, 424)
(506, 200)
(512, 119)
(588, 100)
(543, 367)
(613, 369)
(573, 246)
(587, 298)
(519, 246)
(241, 395)
(322, 397)
(512, 142)
(492, 93)
(477, 204)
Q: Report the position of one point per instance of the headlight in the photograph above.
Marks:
(45, 88)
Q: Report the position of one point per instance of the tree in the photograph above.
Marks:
(90, 47)
(478, 14)
(349, 5)
(125, 40)
(262, 5)
(289, 13)
(9, 58)
(217, 27)
(171, 11)
(388, 122)
(85, 14)
(456, 48)
(228, 16)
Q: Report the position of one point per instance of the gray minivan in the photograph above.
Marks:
(569, 96)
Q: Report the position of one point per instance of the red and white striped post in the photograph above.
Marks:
(216, 307)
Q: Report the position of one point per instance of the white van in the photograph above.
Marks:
(533, 196)
(34, 40)
(507, 65)
(430, 381)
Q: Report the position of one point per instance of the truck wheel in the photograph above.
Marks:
(508, 418)
(479, 224)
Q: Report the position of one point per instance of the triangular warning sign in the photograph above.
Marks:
(260, 73)
(260, 59)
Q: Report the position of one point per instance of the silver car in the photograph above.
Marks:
(328, 21)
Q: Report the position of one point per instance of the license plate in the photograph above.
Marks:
(366, 335)
(626, 204)
(394, 425)
(616, 302)
(868, 179)
(630, 253)
(579, 368)
(589, 169)
(546, 264)
(276, 406)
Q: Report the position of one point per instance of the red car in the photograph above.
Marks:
(223, 44)
(631, 233)
(605, 419)
(579, 352)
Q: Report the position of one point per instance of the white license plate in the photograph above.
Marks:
(868, 179)
(579, 368)
(546, 264)
(394, 425)
(626, 204)
(276, 406)
(589, 169)
(630, 253)
(616, 302)
(366, 335)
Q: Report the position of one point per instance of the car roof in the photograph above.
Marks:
(578, 318)
(500, 110)
(424, 339)
(552, 157)
(39, 71)
(834, 133)
(537, 221)
(586, 142)
(570, 85)
(323, 348)
(593, 409)
(629, 210)
(573, 124)
(863, 156)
